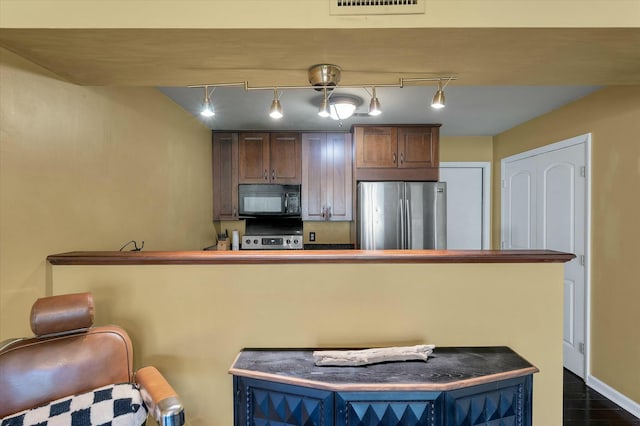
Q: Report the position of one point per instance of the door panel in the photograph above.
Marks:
(545, 196)
(415, 147)
(285, 158)
(520, 203)
(465, 218)
(380, 223)
(558, 217)
(253, 158)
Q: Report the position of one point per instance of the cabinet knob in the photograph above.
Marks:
(328, 213)
(235, 212)
(394, 158)
(323, 211)
(266, 174)
(401, 157)
(273, 174)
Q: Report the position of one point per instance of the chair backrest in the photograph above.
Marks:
(67, 356)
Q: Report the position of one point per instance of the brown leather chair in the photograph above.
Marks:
(69, 360)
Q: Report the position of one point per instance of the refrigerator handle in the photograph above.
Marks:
(439, 219)
(407, 244)
(400, 224)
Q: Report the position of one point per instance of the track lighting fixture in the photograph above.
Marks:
(326, 77)
(324, 110)
(374, 105)
(276, 107)
(207, 107)
(438, 99)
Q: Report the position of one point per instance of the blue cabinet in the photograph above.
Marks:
(388, 408)
(262, 403)
(457, 387)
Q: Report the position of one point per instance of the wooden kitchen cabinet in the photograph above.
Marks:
(327, 177)
(397, 152)
(225, 176)
(269, 158)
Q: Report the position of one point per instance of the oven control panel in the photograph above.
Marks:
(272, 242)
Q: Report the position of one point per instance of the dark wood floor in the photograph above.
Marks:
(584, 406)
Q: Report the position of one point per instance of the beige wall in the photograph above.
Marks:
(466, 148)
(312, 14)
(612, 116)
(86, 168)
(191, 320)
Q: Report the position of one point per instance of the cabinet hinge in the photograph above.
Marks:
(581, 348)
(582, 259)
(583, 171)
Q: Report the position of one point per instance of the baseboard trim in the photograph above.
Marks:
(613, 395)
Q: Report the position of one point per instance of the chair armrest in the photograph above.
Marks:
(163, 402)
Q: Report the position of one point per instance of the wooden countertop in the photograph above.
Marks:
(306, 256)
(447, 368)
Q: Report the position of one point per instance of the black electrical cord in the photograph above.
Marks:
(135, 246)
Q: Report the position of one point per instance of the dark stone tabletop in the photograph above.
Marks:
(447, 368)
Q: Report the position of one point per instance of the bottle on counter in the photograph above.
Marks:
(235, 240)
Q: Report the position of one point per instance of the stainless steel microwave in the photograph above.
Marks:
(269, 200)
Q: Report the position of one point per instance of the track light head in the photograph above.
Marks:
(207, 107)
(374, 105)
(438, 101)
(276, 107)
(324, 106)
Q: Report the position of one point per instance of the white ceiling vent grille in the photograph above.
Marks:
(376, 7)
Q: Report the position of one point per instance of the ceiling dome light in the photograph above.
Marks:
(207, 106)
(341, 110)
(374, 105)
(438, 101)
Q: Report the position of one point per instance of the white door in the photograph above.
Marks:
(467, 204)
(545, 207)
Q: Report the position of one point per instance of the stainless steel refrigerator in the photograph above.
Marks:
(402, 215)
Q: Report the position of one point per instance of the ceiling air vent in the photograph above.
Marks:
(376, 7)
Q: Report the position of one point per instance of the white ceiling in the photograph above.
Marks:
(469, 111)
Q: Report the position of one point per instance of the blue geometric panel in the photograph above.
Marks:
(272, 408)
(503, 407)
(390, 413)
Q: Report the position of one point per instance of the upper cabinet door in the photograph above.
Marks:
(253, 153)
(225, 176)
(285, 158)
(376, 147)
(327, 185)
(314, 176)
(339, 172)
(417, 147)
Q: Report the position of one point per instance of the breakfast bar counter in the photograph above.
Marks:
(190, 313)
(305, 256)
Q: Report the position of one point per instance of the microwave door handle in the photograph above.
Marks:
(286, 203)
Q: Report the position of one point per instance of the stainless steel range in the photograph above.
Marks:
(273, 233)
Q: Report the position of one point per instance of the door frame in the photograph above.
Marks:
(486, 194)
(577, 140)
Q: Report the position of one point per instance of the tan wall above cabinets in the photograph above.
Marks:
(397, 152)
(269, 158)
(327, 177)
